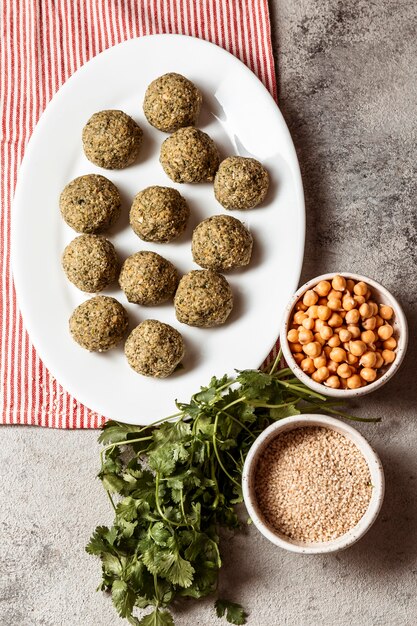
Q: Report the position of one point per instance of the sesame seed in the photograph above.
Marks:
(312, 484)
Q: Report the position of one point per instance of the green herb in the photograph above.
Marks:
(177, 483)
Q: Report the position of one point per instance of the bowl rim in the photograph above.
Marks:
(345, 393)
(371, 457)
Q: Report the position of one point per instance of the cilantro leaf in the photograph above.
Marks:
(234, 612)
(157, 618)
(123, 598)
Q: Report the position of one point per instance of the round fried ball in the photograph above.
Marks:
(148, 279)
(189, 156)
(112, 139)
(159, 214)
(154, 349)
(221, 242)
(241, 183)
(90, 263)
(99, 324)
(172, 102)
(90, 204)
(203, 298)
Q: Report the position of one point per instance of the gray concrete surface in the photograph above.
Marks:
(348, 90)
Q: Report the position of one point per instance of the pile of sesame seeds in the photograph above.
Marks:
(312, 484)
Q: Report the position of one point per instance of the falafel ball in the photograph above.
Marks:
(90, 204)
(154, 349)
(90, 262)
(189, 156)
(159, 214)
(172, 102)
(221, 242)
(203, 298)
(148, 279)
(112, 139)
(99, 324)
(241, 183)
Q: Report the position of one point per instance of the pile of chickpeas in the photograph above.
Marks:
(340, 336)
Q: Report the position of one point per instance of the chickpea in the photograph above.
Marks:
(385, 332)
(374, 307)
(295, 347)
(388, 356)
(368, 294)
(326, 332)
(368, 359)
(333, 382)
(344, 370)
(334, 341)
(332, 366)
(360, 288)
(298, 357)
(334, 295)
(368, 374)
(369, 324)
(353, 316)
(352, 359)
(379, 321)
(354, 330)
(345, 335)
(320, 361)
(307, 365)
(348, 303)
(319, 339)
(368, 336)
(322, 302)
(386, 312)
(312, 349)
(365, 310)
(308, 323)
(339, 283)
(389, 344)
(323, 287)
(299, 317)
(359, 300)
(357, 348)
(326, 351)
(338, 355)
(300, 306)
(312, 311)
(342, 314)
(318, 325)
(324, 312)
(350, 285)
(310, 297)
(292, 335)
(320, 375)
(335, 320)
(334, 304)
(354, 382)
(305, 336)
(379, 360)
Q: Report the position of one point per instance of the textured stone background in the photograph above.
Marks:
(348, 91)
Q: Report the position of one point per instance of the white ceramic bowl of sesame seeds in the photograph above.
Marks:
(384, 373)
(312, 484)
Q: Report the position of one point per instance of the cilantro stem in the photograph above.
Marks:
(216, 452)
(276, 362)
(303, 390)
(126, 443)
(354, 418)
(158, 504)
(238, 422)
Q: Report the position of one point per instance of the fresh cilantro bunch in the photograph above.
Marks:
(177, 482)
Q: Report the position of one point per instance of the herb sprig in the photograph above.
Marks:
(177, 483)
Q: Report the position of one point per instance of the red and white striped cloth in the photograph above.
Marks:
(42, 43)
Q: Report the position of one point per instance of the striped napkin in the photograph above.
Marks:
(42, 43)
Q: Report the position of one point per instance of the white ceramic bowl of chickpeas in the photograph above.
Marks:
(344, 335)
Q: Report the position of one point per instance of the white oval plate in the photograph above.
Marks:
(242, 118)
